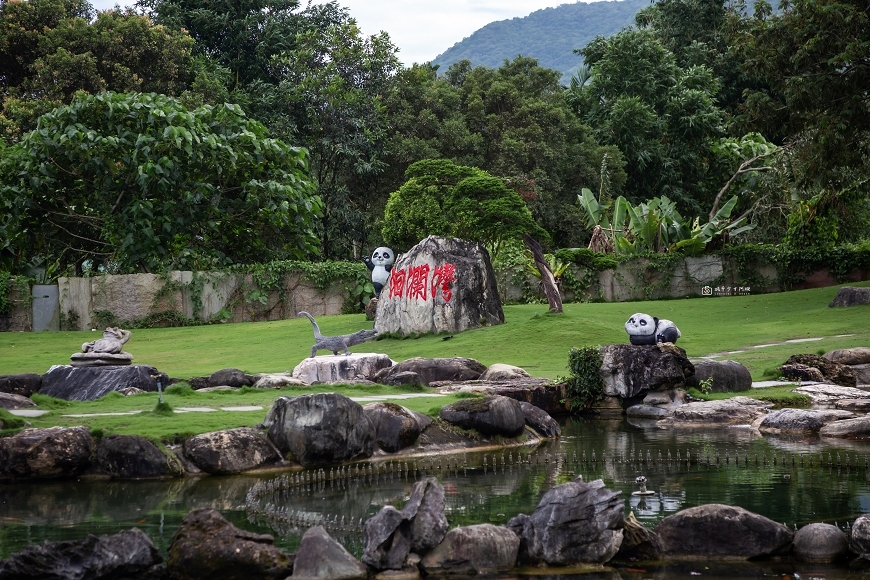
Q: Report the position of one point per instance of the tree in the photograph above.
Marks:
(136, 182)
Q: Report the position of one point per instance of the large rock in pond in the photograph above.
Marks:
(728, 376)
(332, 368)
(395, 426)
(629, 370)
(721, 531)
(132, 457)
(478, 549)
(849, 296)
(391, 535)
(230, 451)
(540, 420)
(441, 285)
(573, 523)
(46, 453)
(128, 554)
(820, 543)
(796, 421)
(24, 385)
(206, 546)
(857, 428)
(832, 372)
(492, 415)
(860, 355)
(320, 429)
(733, 411)
(431, 370)
(91, 383)
(859, 537)
(320, 557)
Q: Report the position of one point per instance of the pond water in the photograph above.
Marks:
(794, 481)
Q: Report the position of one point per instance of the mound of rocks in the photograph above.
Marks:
(801, 367)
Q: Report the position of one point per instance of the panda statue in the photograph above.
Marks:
(380, 265)
(646, 329)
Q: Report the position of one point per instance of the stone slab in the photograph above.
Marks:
(90, 383)
(100, 359)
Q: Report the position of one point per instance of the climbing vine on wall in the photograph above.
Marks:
(585, 387)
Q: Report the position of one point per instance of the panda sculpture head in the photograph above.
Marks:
(641, 328)
(383, 257)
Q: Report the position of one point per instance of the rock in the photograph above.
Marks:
(630, 370)
(337, 368)
(800, 420)
(733, 411)
(859, 537)
(100, 359)
(198, 383)
(830, 394)
(207, 546)
(848, 296)
(721, 531)
(91, 383)
(46, 453)
(540, 420)
(391, 535)
(492, 415)
(278, 380)
(820, 543)
(405, 378)
(574, 522)
(320, 429)
(220, 388)
(542, 393)
(24, 385)
(728, 376)
(638, 542)
(395, 426)
(230, 451)
(858, 428)
(503, 372)
(862, 374)
(371, 309)
(127, 554)
(832, 372)
(431, 370)
(10, 401)
(860, 355)
(658, 404)
(853, 405)
(649, 412)
(474, 549)
(320, 557)
(231, 378)
(440, 285)
(802, 373)
(607, 407)
(130, 391)
(132, 457)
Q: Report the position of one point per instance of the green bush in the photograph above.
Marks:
(585, 387)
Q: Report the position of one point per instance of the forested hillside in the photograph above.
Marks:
(549, 35)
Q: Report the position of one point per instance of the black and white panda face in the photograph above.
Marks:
(383, 257)
(640, 324)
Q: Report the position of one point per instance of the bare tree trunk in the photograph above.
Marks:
(547, 278)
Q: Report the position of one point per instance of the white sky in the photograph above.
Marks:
(422, 29)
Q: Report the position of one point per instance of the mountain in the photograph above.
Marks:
(549, 35)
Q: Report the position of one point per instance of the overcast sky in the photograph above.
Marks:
(422, 29)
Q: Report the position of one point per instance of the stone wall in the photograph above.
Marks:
(20, 317)
(232, 298)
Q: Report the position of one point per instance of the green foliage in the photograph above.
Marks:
(706, 386)
(9, 420)
(163, 409)
(180, 390)
(585, 386)
(588, 259)
(8, 283)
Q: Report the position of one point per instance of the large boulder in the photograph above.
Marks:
(10, 401)
(391, 535)
(832, 372)
(278, 380)
(540, 420)
(230, 451)
(206, 546)
(849, 296)
(46, 453)
(492, 415)
(733, 411)
(395, 426)
(320, 429)
(796, 421)
(132, 457)
(658, 404)
(721, 531)
(477, 549)
(440, 285)
(231, 378)
(802, 373)
(857, 428)
(728, 376)
(860, 355)
(320, 557)
(24, 385)
(128, 554)
(630, 370)
(338, 368)
(830, 394)
(573, 523)
(859, 537)
(503, 372)
(431, 370)
(91, 383)
(820, 543)
(854, 405)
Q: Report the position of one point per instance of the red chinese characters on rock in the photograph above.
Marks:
(415, 283)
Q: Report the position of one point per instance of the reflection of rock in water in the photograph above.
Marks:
(655, 506)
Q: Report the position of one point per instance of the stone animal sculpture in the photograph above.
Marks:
(645, 329)
(337, 343)
(112, 342)
(380, 264)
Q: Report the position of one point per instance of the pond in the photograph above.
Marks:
(793, 481)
